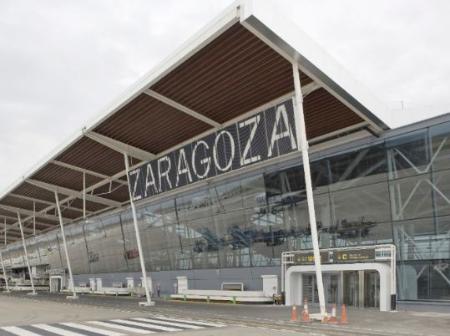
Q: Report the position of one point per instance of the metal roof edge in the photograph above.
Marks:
(261, 16)
(290, 40)
(414, 126)
(216, 26)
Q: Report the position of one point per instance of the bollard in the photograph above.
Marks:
(234, 299)
(184, 297)
(207, 299)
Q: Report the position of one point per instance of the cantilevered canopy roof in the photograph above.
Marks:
(239, 62)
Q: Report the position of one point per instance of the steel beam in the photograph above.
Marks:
(12, 240)
(28, 212)
(32, 199)
(8, 227)
(37, 200)
(89, 189)
(120, 146)
(15, 234)
(71, 192)
(11, 226)
(182, 108)
(79, 169)
(310, 88)
(339, 133)
(86, 171)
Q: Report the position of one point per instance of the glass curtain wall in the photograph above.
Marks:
(419, 176)
(394, 190)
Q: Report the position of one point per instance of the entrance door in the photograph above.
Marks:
(361, 289)
(331, 281)
(371, 289)
(58, 285)
(351, 288)
(55, 284)
(309, 288)
(354, 288)
(330, 285)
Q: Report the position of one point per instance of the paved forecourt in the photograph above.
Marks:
(48, 311)
(30, 316)
(149, 324)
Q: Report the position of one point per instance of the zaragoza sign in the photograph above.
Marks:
(263, 136)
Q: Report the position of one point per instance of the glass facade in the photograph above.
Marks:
(394, 190)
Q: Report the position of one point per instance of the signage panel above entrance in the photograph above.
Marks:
(343, 255)
(265, 135)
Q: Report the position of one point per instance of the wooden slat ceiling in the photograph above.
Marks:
(325, 114)
(88, 154)
(9, 217)
(233, 74)
(64, 177)
(115, 191)
(29, 190)
(22, 203)
(147, 123)
(90, 206)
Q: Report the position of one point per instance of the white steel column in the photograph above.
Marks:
(303, 146)
(149, 301)
(84, 195)
(26, 254)
(34, 218)
(4, 272)
(1, 259)
(66, 251)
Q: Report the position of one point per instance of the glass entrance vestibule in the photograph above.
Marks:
(362, 277)
(363, 285)
(353, 288)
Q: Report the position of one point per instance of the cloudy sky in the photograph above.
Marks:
(62, 61)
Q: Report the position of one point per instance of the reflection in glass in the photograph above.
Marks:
(397, 189)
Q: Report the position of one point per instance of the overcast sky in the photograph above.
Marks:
(62, 61)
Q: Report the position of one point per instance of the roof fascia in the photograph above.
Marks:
(208, 33)
(291, 42)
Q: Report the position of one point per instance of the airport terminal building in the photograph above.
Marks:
(217, 177)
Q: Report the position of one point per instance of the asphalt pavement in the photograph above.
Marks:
(251, 318)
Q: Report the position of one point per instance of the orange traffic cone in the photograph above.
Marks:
(344, 315)
(294, 313)
(305, 312)
(333, 319)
